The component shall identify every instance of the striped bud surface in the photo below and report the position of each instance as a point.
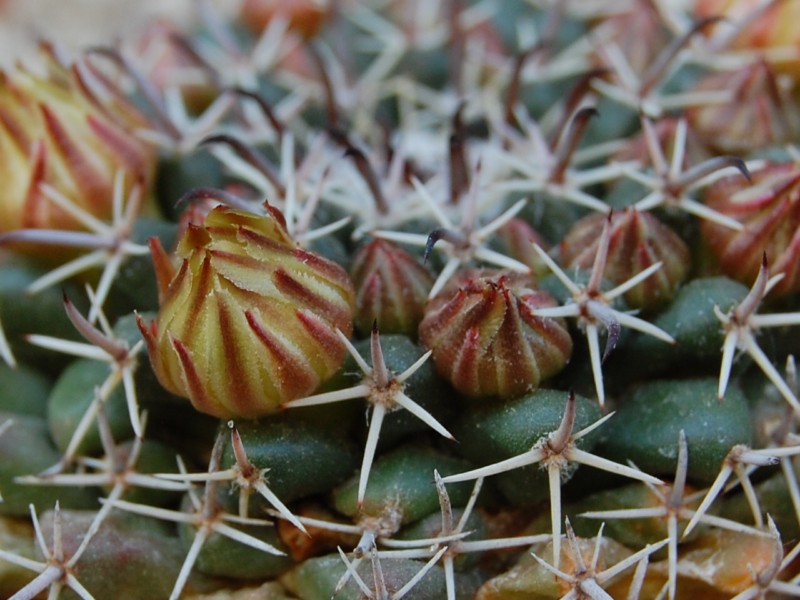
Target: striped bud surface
(769, 209)
(758, 115)
(486, 339)
(391, 288)
(52, 133)
(638, 240)
(249, 319)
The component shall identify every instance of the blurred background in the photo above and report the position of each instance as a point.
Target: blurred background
(78, 23)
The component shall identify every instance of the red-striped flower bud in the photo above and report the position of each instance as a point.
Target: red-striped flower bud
(51, 134)
(391, 288)
(759, 114)
(637, 241)
(769, 209)
(249, 320)
(486, 339)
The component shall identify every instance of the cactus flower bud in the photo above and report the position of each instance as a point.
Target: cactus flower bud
(759, 114)
(391, 288)
(486, 339)
(764, 26)
(768, 209)
(52, 134)
(516, 239)
(638, 240)
(249, 320)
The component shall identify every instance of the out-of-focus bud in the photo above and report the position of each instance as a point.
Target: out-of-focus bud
(636, 29)
(760, 113)
(769, 210)
(391, 288)
(638, 240)
(486, 339)
(52, 134)
(249, 320)
(516, 239)
(768, 28)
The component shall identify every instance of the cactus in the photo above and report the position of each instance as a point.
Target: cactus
(293, 303)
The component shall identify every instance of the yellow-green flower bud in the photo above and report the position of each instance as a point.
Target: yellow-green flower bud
(52, 133)
(249, 320)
